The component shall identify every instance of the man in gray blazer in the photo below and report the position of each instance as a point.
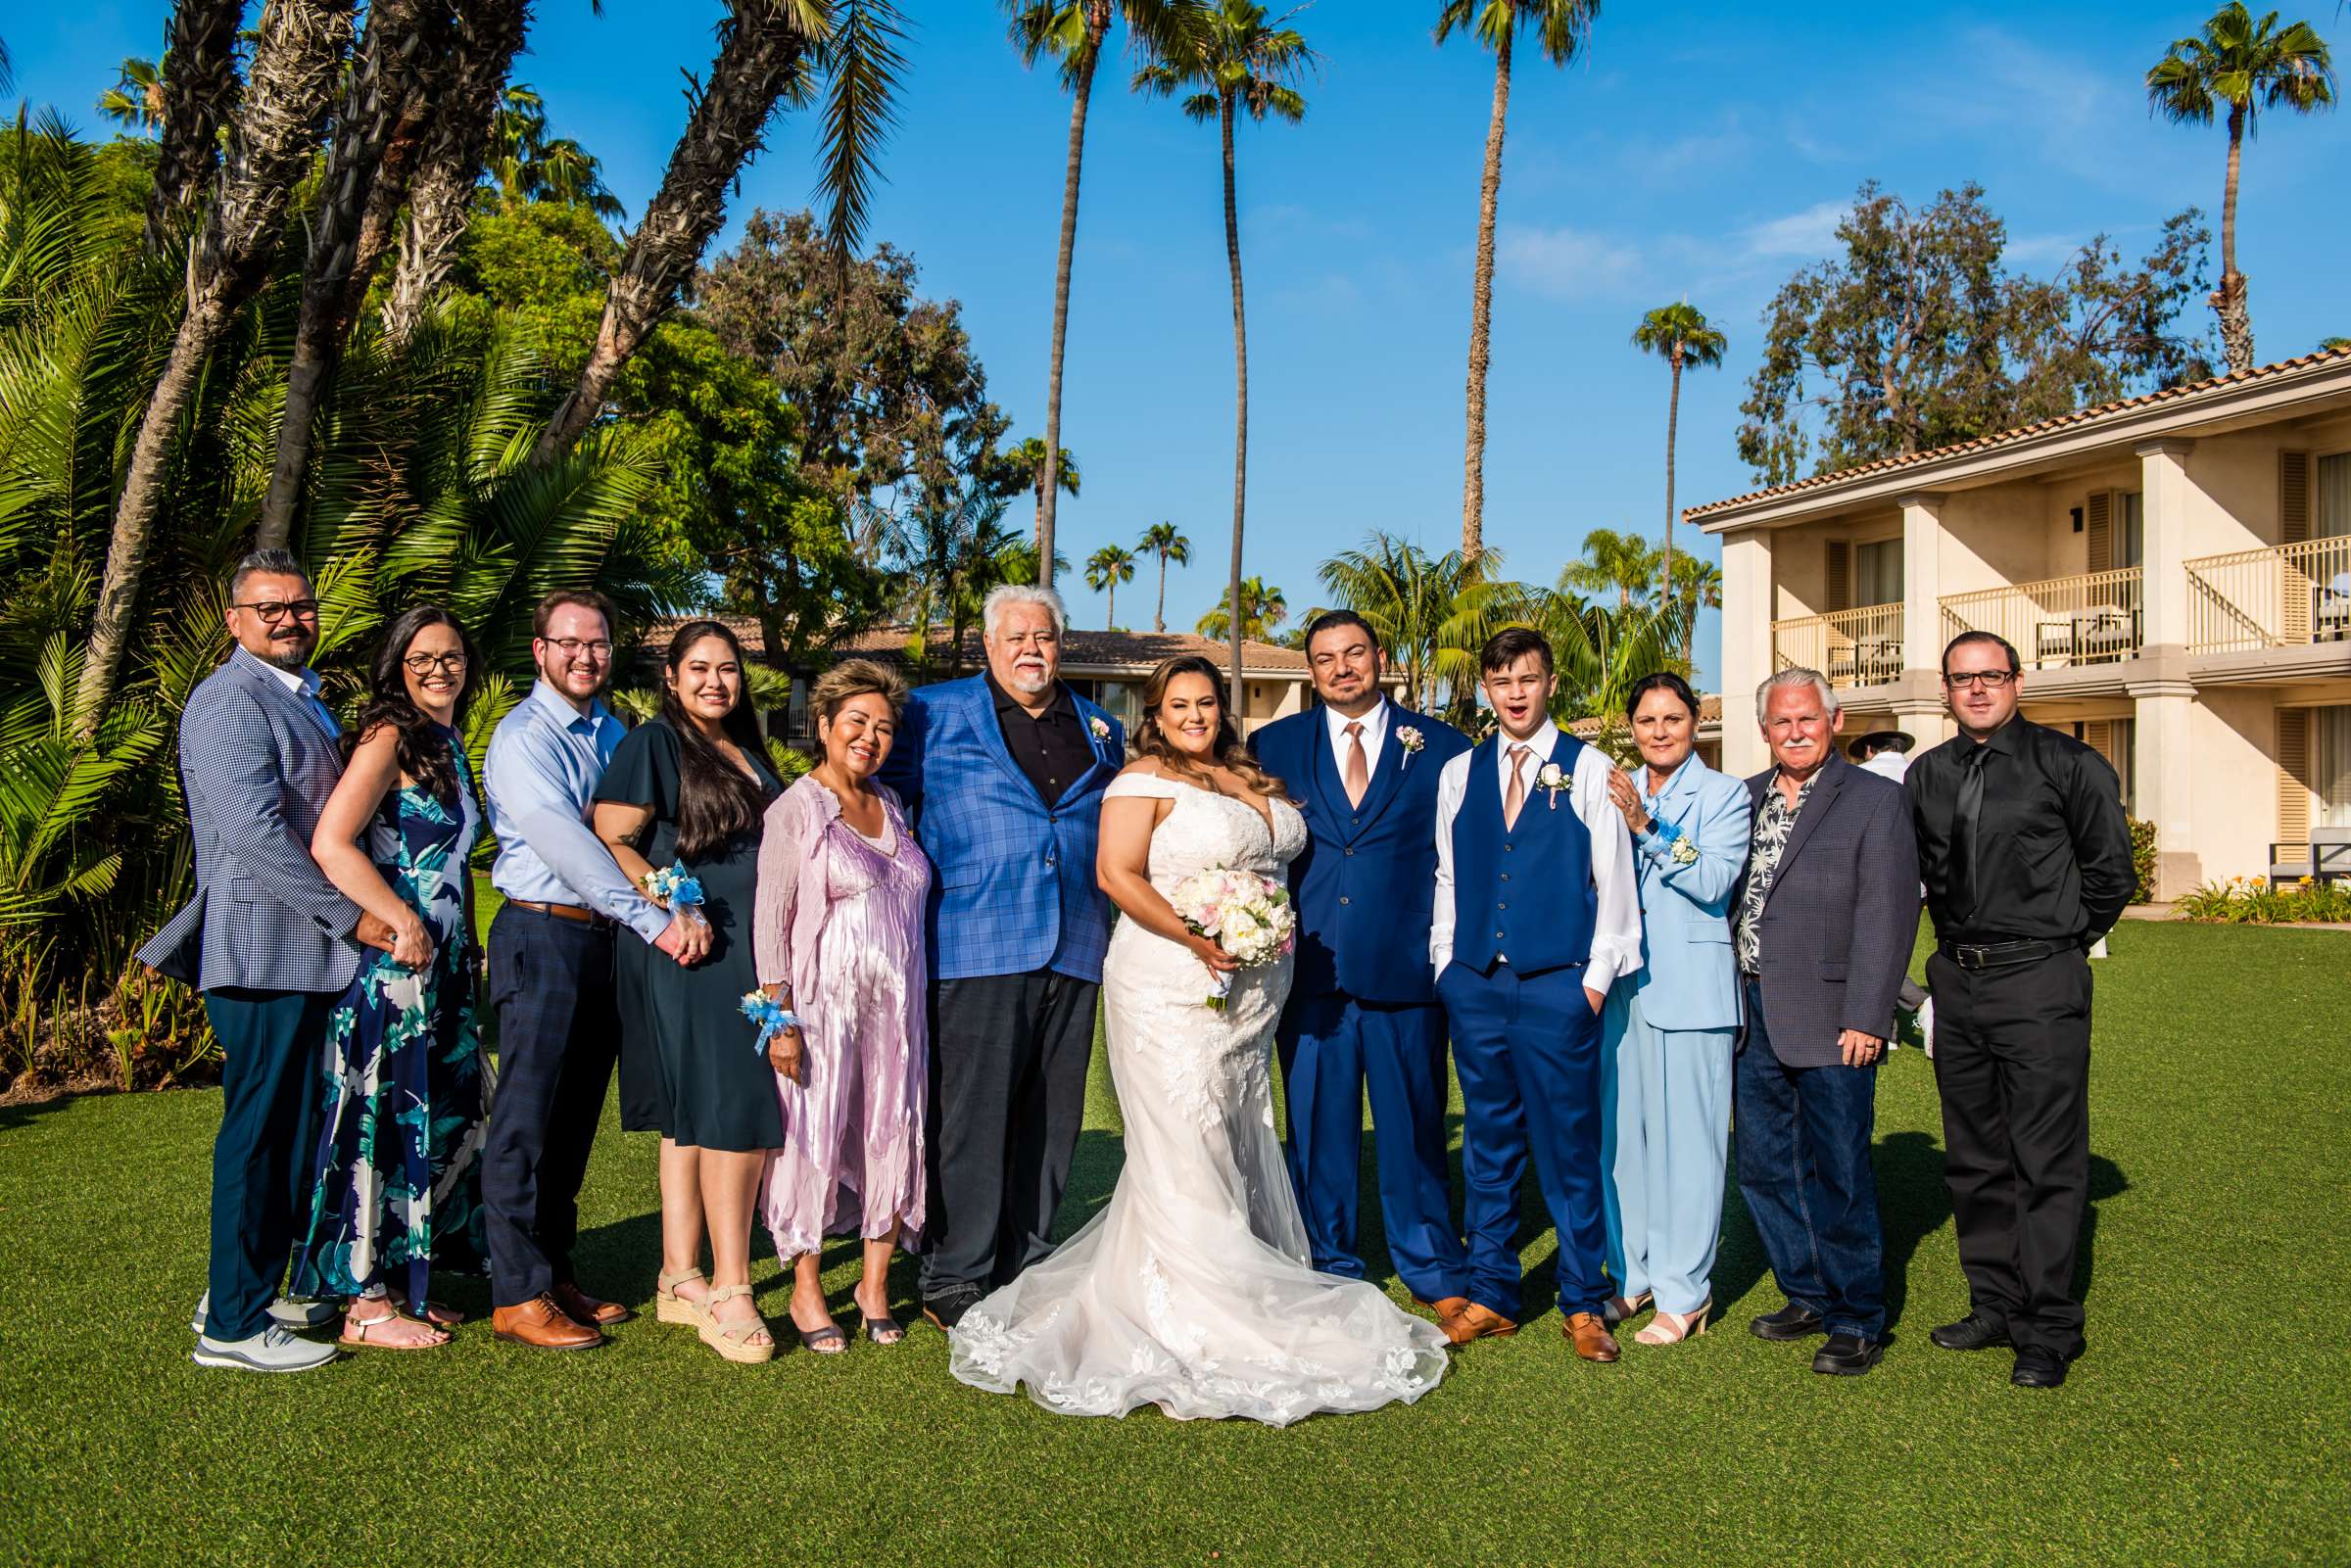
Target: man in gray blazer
(1823, 922)
(268, 941)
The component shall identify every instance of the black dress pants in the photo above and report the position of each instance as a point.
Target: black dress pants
(559, 1032)
(1008, 1061)
(2012, 1065)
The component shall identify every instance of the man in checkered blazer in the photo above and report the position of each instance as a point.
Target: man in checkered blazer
(1003, 774)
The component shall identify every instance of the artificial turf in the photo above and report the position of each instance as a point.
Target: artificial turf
(2205, 1425)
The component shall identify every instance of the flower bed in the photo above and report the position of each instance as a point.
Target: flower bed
(2252, 901)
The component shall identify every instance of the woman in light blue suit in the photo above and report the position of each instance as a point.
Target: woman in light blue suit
(1666, 1052)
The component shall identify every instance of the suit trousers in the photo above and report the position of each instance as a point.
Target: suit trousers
(1666, 1103)
(1526, 1048)
(272, 1045)
(1805, 1172)
(2012, 1065)
(1009, 1055)
(1332, 1049)
(558, 1033)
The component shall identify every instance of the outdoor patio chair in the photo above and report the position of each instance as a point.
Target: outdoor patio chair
(2325, 857)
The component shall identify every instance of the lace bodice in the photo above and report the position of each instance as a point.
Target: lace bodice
(1209, 828)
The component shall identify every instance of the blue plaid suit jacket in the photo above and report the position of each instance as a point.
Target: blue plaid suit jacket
(1015, 887)
(256, 763)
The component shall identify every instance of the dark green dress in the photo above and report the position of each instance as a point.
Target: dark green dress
(709, 1087)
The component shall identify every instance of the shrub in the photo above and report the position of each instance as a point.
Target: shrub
(2142, 860)
(2252, 901)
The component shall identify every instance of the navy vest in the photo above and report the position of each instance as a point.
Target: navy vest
(1526, 893)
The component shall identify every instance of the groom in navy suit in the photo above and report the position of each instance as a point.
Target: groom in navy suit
(1362, 1011)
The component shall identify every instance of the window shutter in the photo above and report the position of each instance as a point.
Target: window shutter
(2098, 518)
(2293, 775)
(2099, 735)
(2293, 496)
(1840, 593)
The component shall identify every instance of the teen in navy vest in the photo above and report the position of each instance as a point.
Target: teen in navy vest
(1363, 1010)
(1536, 916)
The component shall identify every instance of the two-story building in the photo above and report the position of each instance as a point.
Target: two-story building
(2173, 569)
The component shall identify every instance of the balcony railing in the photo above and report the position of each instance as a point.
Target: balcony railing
(1852, 647)
(2284, 596)
(2095, 618)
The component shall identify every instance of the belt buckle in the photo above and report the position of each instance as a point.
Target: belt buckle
(1972, 956)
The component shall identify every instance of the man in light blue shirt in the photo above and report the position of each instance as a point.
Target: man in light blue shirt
(550, 974)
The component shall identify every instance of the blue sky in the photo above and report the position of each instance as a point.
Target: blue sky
(1703, 150)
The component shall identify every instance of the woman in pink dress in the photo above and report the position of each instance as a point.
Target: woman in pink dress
(837, 937)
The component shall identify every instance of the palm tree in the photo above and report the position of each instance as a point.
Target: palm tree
(1165, 542)
(1598, 653)
(2248, 65)
(466, 81)
(1262, 611)
(200, 88)
(1433, 614)
(1028, 460)
(1105, 570)
(1681, 334)
(1072, 32)
(1236, 60)
(1561, 27)
(1696, 584)
(1623, 563)
(135, 101)
(527, 164)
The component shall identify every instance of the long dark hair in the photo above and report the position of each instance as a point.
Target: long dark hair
(1663, 681)
(1152, 741)
(425, 752)
(715, 800)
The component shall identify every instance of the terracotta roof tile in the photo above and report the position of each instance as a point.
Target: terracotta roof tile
(1080, 646)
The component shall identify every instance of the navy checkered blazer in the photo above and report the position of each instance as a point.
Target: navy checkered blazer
(256, 762)
(1015, 887)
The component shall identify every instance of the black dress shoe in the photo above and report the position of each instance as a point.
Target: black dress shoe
(947, 1310)
(1977, 1331)
(2037, 1368)
(1790, 1323)
(1848, 1355)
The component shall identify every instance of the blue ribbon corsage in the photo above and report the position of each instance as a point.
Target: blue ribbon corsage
(772, 1017)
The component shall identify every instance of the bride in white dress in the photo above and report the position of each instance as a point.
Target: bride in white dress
(1191, 1289)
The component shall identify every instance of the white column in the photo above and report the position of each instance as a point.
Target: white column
(2164, 502)
(1922, 581)
(1749, 594)
(2163, 751)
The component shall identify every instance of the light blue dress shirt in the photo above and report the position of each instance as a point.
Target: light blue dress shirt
(539, 782)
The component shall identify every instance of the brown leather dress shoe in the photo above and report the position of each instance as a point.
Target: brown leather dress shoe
(544, 1326)
(1475, 1322)
(1590, 1337)
(1447, 1308)
(582, 1308)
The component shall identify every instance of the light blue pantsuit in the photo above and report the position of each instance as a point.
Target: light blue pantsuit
(1667, 1043)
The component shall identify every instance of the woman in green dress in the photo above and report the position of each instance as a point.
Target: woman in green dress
(689, 789)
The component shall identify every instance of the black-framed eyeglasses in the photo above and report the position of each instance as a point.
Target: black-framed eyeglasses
(427, 663)
(574, 647)
(1989, 680)
(274, 610)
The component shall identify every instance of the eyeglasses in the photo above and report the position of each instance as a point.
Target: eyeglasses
(426, 663)
(1989, 680)
(574, 647)
(276, 610)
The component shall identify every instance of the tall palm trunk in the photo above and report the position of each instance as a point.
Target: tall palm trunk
(294, 70)
(486, 36)
(1159, 615)
(1081, 95)
(1673, 417)
(200, 86)
(762, 53)
(1240, 412)
(1110, 607)
(2236, 320)
(1481, 315)
(367, 165)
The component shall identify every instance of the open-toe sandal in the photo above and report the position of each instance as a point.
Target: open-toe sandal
(671, 1307)
(735, 1343)
(881, 1327)
(826, 1341)
(358, 1333)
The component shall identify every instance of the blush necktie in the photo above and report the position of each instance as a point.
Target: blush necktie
(1514, 798)
(1358, 766)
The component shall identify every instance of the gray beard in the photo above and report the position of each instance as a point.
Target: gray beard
(291, 662)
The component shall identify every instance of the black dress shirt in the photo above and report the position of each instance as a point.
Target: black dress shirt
(2052, 856)
(1052, 747)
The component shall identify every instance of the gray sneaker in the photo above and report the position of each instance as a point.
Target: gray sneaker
(283, 1311)
(272, 1349)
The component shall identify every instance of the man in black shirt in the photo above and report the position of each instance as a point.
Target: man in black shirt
(1043, 733)
(2026, 857)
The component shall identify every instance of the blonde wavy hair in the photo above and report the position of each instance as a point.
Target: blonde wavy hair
(1152, 741)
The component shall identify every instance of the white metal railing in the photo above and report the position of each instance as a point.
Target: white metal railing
(2094, 618)
(2284, 596)
(1852, 647)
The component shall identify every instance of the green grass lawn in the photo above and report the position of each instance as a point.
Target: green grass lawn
(2206, 1424)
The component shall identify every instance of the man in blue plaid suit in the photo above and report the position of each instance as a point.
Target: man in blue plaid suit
(268, 941)
(1003, 775)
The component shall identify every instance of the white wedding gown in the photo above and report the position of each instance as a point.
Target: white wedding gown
(1191, 1289)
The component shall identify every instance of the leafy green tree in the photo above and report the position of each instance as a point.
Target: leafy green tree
(1164, 540)
(1697, 584)
(1432, 613)
(1624, 565)
(1561, 29)
(1262, 611)
(527, 164)
(2247, 65)
(1105, 570)
(135, 101)
(1597, 652)
(1681, 335)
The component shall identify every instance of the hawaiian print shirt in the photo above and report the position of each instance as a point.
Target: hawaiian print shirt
(1773, 824)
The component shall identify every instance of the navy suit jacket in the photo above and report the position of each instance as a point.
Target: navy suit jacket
(1364, 884)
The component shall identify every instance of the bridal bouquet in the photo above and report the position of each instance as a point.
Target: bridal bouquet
(1247, 914)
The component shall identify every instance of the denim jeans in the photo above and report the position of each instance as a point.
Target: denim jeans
(1804, 1170)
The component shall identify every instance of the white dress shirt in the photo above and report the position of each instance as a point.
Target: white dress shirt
(306, 685)
(1889, 765)
(1376, 731)
(1616, 920)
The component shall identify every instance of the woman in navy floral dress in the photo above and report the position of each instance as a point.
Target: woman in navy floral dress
(398, 1194)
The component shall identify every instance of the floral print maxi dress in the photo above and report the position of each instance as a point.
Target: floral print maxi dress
(398, 1187)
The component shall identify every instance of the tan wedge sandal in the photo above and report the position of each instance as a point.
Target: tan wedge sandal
(671, 1307)
(733, 1343)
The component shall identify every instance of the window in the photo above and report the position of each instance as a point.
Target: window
(2332, 774)
(1878, 573)
(2132, 546)
(2122, 749)
(2333, 516)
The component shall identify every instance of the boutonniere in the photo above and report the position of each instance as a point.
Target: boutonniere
(1410, 739)
(1685, 853)
(1100, 729)
(1551, 781)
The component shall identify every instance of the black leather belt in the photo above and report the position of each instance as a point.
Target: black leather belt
(2000, 955)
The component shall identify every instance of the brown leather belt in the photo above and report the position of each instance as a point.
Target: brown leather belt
(570, 912)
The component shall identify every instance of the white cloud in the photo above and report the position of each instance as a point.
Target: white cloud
(1565, 264)
(1811, 232)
